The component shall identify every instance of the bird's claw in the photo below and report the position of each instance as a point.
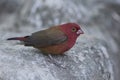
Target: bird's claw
(55, 62)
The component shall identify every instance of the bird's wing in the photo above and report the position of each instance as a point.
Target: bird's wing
(52, 36)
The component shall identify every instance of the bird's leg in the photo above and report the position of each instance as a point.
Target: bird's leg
(51, 58)
(55, 62)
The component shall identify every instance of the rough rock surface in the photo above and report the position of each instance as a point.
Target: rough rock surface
(94, 57)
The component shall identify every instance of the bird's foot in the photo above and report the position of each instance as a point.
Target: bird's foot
(55, 62)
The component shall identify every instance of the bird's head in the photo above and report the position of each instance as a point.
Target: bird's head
(72, 29)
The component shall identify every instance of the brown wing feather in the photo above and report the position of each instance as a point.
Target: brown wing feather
(51, 36)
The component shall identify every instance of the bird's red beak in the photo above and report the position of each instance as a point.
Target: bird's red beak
(80, 32)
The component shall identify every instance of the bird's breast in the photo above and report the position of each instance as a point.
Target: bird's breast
(56, 49)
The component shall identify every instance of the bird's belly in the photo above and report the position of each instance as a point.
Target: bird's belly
(55, 49)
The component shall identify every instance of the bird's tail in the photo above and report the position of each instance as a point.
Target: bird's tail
(19, 38)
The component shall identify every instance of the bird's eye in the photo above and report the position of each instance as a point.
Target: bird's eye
(74, 29)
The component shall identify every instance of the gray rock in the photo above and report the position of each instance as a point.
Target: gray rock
(87, 60)
(10, 6)
(94, 57)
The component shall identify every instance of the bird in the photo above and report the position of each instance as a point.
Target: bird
(54, 40)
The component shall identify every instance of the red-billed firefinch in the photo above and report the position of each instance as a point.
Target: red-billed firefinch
(54, 40)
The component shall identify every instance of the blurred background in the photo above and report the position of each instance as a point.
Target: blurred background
(99, 19)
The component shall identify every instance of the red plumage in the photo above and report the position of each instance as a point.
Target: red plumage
(18, 38)
(54, 40)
